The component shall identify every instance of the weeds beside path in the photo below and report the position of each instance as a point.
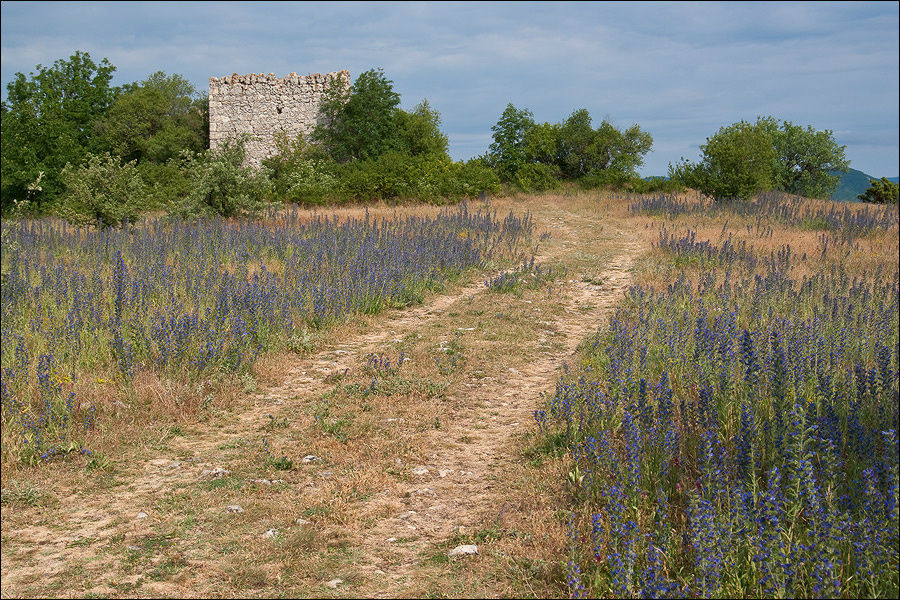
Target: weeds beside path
(365, 462)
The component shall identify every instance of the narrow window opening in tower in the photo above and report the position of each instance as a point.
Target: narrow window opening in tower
(278, 109)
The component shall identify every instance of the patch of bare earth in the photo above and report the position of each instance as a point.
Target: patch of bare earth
(337, 478)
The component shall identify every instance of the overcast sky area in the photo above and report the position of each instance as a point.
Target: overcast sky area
(680, 71)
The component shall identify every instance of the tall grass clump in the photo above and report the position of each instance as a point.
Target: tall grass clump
(735, 435)
(189, 298)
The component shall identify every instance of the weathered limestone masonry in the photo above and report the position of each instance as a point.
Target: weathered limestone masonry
(259, 105)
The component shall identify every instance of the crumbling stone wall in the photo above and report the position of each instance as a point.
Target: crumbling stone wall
(259, 105)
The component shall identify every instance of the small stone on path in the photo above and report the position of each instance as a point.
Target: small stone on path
(234, 508)
(270, 533)
(310, 458)
(142, 515)
(303, 522)
(464, 550)
(334, 583)
(215, 473)
(420, 471)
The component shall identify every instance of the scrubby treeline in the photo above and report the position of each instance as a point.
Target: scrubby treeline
(75, 145)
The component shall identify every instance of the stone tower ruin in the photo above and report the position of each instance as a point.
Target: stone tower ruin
(258, 106)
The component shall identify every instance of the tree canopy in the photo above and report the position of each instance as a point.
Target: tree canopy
(361, 122)
(48, 121)
(881, 191)
(155, 120)
(573, 149)
(744, 158)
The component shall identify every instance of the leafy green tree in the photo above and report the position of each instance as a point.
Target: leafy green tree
(361, 122)
(101, 192)
(737, 163)
(156, 119)
(583, 150)
(621, 152)
(734, 162)
(805, 159)
(541, 144)
(421, 131)
(881, 191)
(576, 145)
(48, 121)
(507, 151)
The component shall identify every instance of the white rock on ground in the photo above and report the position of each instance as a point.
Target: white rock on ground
(464, 550)
(334, 583)
(309, 458)
(215, 473)
(420, 471)
(234, 508)
(270, 533)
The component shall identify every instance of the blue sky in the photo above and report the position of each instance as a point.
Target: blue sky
(678, 70)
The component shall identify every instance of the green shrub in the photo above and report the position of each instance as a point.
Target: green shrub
(598, 179)
(102, 192)
(312, 182)
(536, 177)
(167, 183)
(290, 154)
(221, 185)
(470, 179)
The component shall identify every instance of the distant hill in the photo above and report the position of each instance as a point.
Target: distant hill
(853, 183)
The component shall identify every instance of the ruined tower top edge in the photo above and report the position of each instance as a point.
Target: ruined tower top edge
(251, 78)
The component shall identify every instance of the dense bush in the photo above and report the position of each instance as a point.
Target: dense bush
(102, 192)
(426, 177)
(536, 177)
(155, 120)
(362, 122)
(221, 185)
(313, 181)
(48, 122)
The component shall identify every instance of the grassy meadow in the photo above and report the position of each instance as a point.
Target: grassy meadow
(611, 396)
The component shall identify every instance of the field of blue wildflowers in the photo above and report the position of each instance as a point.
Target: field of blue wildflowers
(186, 299)
(733, 431)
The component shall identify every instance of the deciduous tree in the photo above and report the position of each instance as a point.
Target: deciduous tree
(48, 120)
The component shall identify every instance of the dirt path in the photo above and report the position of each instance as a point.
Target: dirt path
(461, 485)
(377, 516)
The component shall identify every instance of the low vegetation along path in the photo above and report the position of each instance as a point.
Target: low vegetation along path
(392, 466)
